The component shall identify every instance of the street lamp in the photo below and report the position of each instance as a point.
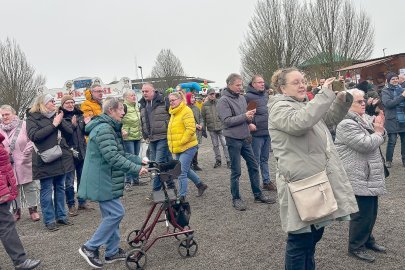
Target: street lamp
(384, 51)
(140, 67)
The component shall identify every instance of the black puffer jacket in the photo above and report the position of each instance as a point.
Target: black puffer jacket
(261, 118)
(44, 135)
(77, 140)
(155, 123)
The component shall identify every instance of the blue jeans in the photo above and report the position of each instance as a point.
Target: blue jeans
(261, 149)
(159, 152)
(236, 149)
(132, 147)
(53, 210)
(300, 250)
(185, 159)
(108, 232)
(392, 140)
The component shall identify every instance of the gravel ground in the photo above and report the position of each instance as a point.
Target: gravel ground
(227, 239)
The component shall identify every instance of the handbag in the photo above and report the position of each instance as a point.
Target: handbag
(313, 196)
(51, 154)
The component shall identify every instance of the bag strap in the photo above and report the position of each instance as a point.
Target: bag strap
(17, 131)
(58, 141)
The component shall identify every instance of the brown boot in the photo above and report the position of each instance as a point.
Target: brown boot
(270, 186)
(17, 214)
(73, 211)
(34, 213)
(201, 188)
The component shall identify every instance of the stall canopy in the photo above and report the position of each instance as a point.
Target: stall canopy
(365, 64)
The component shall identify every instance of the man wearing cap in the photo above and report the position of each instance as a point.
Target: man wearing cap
(393, 99)
(213, 124)
(91, 107)
(259, 128)
(77, 144)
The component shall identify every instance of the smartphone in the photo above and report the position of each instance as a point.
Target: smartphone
(338, 86)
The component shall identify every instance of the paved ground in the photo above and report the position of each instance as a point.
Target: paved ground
(227, 239)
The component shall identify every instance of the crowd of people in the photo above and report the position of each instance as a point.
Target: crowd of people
(308, 130)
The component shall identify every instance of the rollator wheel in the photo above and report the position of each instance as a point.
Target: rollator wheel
(187, 247)
(130, 239)
(136, 259)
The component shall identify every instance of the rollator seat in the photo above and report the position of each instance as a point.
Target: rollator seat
(159, 196)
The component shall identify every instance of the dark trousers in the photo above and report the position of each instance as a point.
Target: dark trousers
(195, 159)
(9, 236)
(300, 249)
(392, 141)
(362, 222)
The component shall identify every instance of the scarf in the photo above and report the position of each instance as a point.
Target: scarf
(49, 114)
(400, 109)
(12, 125)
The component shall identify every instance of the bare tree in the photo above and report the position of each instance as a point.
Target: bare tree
(18, 82)
(168, 68)
(275, 38)
(338, 34)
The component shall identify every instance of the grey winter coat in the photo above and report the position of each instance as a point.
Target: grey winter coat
(359, 149)
(155, 123)
(210, 116)
(231, 108)
(299, 136)
(261, 118)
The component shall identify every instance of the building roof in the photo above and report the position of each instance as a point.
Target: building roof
(176, 78)
(370, 62)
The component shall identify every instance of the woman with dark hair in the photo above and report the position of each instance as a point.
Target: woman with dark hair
(47, 129)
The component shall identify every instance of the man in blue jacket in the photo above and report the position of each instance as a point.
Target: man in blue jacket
(104, 170)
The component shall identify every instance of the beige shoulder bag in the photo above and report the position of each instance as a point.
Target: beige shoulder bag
(313, 196)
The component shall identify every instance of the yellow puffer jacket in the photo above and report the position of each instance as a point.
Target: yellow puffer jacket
(181, 130)
(90, 107)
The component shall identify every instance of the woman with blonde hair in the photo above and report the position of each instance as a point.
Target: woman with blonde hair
(303, 147)
(182, 141)
(19, 147)
(47, 129)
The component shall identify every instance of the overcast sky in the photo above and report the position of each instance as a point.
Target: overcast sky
(67, 39)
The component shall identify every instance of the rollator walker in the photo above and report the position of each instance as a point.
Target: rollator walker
(176, 216)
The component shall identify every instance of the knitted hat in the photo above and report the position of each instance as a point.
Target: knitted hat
(210, 91)
(391, 75)
(47, 98)
(65, 98)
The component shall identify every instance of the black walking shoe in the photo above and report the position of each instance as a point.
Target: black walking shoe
(264, 199)
(91, 257)
(52, 226)
(196, 167)
(64, 222)
(239, 205)
(121, 255)
(362, 255)
(377, 248)
(217, 164)
(28, 264)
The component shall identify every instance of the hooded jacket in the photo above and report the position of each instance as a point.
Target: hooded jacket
(359, 149)
(210, 116)
(299, 136)
(8, 184)
(90, 107)
(77, 140)
(181, 133)
(131, 122)
(391, 102)
(106, 162)
(261, 118)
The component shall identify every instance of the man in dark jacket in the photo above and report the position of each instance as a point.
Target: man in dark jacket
(155, 120)
(259, 128)
(232, 109)
(104, 171)
(77, 144)
(393, 99)
(214, 126)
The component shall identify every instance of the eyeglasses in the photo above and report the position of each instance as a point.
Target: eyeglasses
(172, 100)
(52, 100)
(69, 102)
(296, 83)
(98, 91)
(360, 102)
(259, 82)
